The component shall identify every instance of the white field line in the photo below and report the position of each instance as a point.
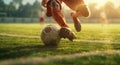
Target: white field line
(78, 40)
(14, 35)
(36, 60)
(98, 41)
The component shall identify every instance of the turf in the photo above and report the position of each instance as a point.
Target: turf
(16, 47)
(88, 60)
(110, 32)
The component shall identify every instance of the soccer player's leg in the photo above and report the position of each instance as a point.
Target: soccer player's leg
(82, 11)
(76, 21)
(48, 6)
(65, 32)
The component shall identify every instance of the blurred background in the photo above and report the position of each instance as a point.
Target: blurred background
(29, 11)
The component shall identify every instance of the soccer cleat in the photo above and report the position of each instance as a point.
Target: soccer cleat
(67, 33)
(77, 24)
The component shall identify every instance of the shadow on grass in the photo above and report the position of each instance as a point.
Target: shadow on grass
(14, 51)
(25, 51)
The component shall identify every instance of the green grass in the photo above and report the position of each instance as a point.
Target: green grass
(13, 47)
(88, 60)
(109, 32)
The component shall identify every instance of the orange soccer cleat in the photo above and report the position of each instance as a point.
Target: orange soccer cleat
(67, 33)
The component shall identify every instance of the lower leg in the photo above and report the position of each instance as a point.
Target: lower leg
(57, 15)
(48, 6)
(64, 32)
(76, 21)
(59, 18)
(81, 12)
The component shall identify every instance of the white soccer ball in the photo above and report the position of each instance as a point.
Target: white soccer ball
(50, 35)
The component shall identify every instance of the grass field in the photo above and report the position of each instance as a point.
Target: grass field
(96, 44)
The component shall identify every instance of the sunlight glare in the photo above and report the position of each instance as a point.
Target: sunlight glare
(98, 2)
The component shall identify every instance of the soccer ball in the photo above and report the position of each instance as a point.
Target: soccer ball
(50, 35)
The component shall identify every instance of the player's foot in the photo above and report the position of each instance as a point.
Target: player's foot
(77, 24)
(67, 33)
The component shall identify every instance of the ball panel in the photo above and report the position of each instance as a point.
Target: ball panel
(47, 29)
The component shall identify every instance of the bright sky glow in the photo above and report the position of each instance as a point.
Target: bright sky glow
(102, 2)
(99, 2)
